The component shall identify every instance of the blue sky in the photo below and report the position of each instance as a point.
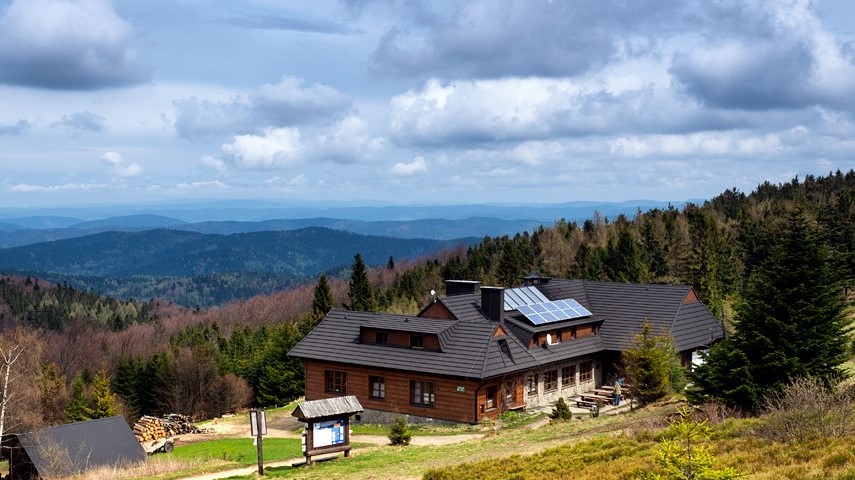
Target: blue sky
(528, 101)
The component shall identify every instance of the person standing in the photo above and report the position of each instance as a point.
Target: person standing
(617, 393)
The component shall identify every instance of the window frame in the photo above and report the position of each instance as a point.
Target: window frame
(531, 380)
(586, 374)
(376, 387)
(381, 337)
(417, 341)
(550, 380)
(568, 380)
(423, 393)
(335, 382)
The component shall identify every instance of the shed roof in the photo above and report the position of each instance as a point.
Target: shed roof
(77, 447)
(327, 407)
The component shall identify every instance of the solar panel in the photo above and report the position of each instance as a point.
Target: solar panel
(515, 297)
(548, 312)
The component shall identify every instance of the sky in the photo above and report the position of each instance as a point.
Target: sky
(405, 102)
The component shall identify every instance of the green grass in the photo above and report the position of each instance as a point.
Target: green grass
(240, 451)
(417, 430)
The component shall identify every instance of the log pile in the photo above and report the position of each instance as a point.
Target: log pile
(151, 428)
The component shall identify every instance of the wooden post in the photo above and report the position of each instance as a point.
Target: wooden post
(259, 428)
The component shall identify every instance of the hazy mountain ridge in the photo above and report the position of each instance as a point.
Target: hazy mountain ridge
(441, 222)
(164, 252)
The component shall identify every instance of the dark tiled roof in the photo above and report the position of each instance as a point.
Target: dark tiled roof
(469, 348)
(408, 324)
(82, 445)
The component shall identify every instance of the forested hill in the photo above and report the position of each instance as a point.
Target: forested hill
(184, 254)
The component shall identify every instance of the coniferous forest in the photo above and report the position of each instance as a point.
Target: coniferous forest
(774, 264)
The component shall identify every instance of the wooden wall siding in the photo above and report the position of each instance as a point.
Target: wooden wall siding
(451, 404)
(564, 334)
(437, 310)
(690, 297)
(585, 331)
(400, 339)
(510, 395)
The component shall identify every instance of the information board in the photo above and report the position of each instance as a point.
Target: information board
(328, 433)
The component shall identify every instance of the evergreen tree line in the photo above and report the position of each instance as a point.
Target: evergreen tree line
(55, 307)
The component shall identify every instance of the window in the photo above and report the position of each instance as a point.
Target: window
(491, 397)
(423, 393)
(568, 376)
(378, 387)
(335, 381)
(381, 338)
(417, 341)
(586, 372)
(531, 384)
(550, 380)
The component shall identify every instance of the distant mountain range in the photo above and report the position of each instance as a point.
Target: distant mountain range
(209, 253)
(194, 268)
(162, 252)
(20, 227)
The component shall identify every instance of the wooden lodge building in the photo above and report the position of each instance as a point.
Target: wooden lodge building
(480, 351)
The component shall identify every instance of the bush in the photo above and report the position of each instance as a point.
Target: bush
(561, 411)
(806, 409)
(400, 433)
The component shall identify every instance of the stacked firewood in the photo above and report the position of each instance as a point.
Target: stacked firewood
(152, 428)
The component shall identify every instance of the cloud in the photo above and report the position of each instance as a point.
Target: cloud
(82, 121)
(498, 38)
(287, 103)
(276, 148)
(201, 185)
(67, 45)
(774, 55)
(347, 141)
(401, 169)
(16, 128)
(66, 187)
(118, 166)
(213, 163)
(303, 25)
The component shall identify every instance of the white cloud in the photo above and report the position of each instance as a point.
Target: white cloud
(285, 104)
(213, 163)
(67, 45)
(118, 167)
(276, 148)
(202, 185)
(418, 165)
(66, 187)
(347, 141)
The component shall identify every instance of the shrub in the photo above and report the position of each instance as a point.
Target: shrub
(561, 411)
(805, 410)
(400, 433)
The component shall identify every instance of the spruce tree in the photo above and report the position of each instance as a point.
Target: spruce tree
(790, 323)
(78, 409)
(322, 302)
(360, 293)
(648, 364)
(103, 400)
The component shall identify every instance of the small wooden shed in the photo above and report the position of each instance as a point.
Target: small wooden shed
(327, 428)
(72, 449)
